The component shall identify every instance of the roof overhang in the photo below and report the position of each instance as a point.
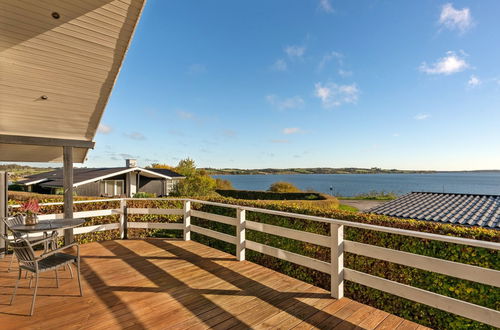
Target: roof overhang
(59, 61)
(143, 172)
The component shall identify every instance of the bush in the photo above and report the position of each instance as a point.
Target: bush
(194, 186)
(142, 194)
(223, 184)
(283, 187)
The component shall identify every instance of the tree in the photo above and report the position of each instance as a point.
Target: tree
(163, 166)
(196, 183)
(283, 187)
(186, 167)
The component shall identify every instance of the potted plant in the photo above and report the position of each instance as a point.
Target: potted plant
(31, 209)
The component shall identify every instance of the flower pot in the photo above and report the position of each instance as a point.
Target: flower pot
(31, 219)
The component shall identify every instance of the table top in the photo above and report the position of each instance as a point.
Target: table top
(49, 225)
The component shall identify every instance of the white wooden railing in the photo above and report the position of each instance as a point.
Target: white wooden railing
(335, 242)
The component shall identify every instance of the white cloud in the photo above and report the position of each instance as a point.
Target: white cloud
(104, 129)
(135, 136)
(422, 116)
(395, 134)
(280, 141)
(292, 130)
(334, 95)
(473, 81)
(451, 63)
(326, 6)
(285, 104)
(279, 65)
(295, 51)
(455, 19)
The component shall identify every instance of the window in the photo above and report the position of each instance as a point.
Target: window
(112, 187)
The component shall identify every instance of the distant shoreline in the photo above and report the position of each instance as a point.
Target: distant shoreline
(309, 171)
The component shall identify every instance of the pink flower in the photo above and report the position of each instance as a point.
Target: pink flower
(31, 206)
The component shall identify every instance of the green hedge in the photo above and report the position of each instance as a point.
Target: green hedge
(472, 292)
(269, 195)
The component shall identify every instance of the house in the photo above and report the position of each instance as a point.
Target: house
(112, 181)
(459, 209)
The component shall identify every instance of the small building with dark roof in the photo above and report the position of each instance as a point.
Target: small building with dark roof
(106, 181)
(458, 209)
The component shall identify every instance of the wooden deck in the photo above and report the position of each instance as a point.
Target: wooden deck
(165, 284)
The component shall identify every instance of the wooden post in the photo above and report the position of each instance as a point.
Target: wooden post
(4, 186)
(337, 261)
(123, 219)
(240, 234)
(68, 191)
(187, 220)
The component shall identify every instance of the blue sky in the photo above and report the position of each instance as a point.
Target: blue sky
(254, 84)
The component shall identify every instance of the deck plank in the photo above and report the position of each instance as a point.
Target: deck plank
(158, 284)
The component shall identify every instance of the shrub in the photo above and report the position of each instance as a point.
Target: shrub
(194, 186)
(143, 194)
(223, 184)
(283, 187)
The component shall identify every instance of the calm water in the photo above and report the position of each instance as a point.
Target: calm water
(354, 184)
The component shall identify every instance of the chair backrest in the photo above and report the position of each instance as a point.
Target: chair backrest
(23, 250)
(12, 221)
(15, 220)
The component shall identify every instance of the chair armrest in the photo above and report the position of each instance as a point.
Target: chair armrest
(40, 241)
(47, 254)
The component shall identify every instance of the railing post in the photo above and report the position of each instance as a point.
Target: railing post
(4, 183)
(240, 234)
(337, 260)
(123, 219)
(187, 220)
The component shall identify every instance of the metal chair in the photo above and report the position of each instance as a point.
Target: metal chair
(19, 220)
(51, 260)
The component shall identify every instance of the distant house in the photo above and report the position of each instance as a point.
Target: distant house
(459, 209)
(113, 181)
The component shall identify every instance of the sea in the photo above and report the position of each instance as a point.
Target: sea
(356, 184)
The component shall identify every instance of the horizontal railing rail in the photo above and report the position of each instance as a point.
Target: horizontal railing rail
(335, 242)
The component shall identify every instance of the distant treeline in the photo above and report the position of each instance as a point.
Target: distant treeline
(313, 170)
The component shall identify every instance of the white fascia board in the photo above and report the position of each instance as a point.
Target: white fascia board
(132, 169)
(34, 182)
(105, 176)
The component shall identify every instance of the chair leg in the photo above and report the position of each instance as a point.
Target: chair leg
(34, 295)
(70, 270)
(57, 278)
(15, 288)
(78, 275)
(11, 261)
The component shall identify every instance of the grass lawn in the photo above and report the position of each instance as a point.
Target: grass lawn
(349, 208)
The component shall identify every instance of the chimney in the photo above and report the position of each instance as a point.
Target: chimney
(131, 162)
